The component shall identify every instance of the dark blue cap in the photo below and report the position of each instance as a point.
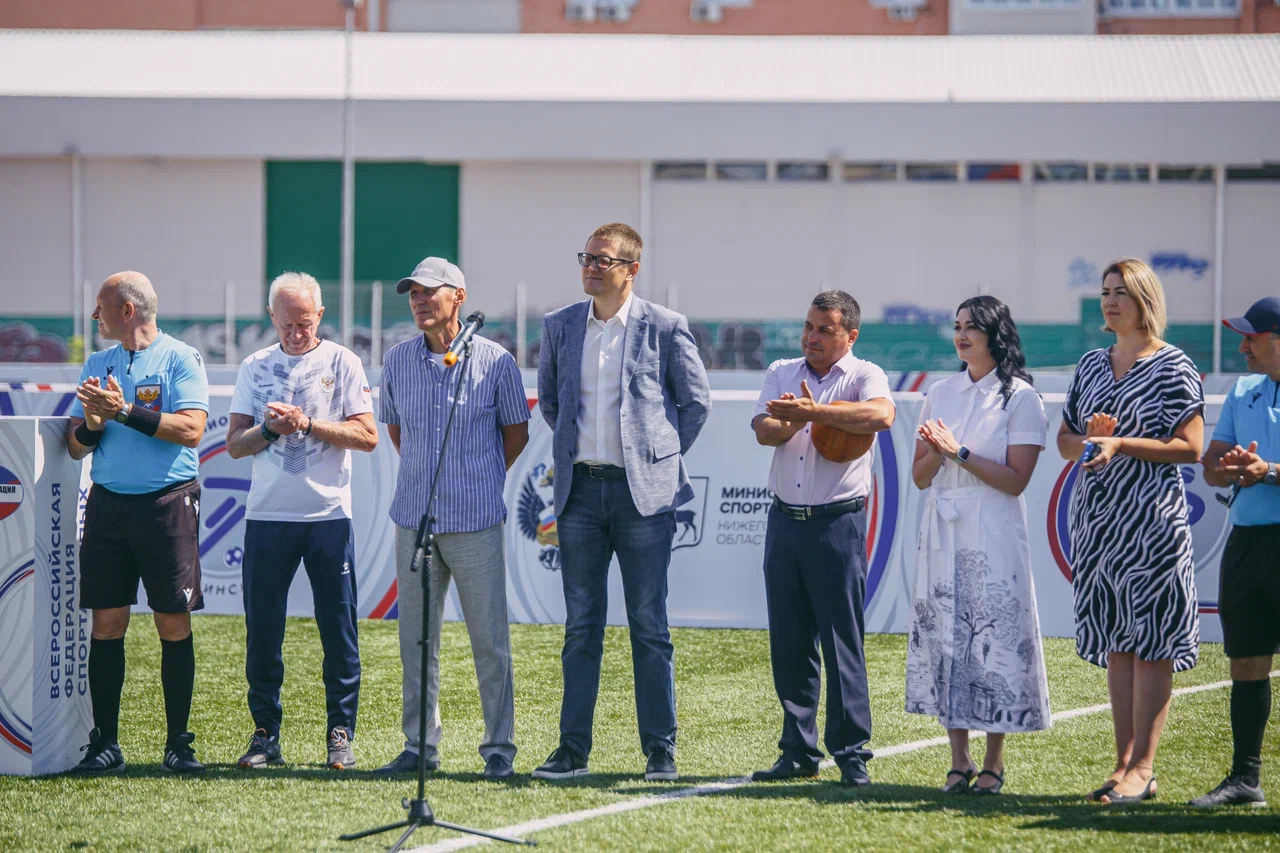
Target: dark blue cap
(1262, 317)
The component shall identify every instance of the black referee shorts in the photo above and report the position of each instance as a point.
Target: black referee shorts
(1249, 592)
(154, 537)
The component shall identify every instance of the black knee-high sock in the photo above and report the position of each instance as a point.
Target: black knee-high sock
(1250, 707)
(177, 677)
(106, 680)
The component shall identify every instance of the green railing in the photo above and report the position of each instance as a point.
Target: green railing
(724, 343)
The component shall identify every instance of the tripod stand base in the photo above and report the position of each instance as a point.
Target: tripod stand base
(420, 815)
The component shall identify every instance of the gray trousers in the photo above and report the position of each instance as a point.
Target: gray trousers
(475, 562)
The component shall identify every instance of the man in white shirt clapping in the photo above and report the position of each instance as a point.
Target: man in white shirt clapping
(300, 407)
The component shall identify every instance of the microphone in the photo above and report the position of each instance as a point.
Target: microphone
(474, 322)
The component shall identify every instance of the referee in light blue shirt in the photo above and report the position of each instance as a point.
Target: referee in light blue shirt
(490, 429)
(1245, 454)
(140, 410)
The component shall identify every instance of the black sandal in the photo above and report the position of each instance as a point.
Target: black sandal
(961, 785)
(994, 789)
(1097, 795)
(1114, 799)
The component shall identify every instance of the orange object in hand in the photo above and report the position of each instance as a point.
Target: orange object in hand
(838, 445)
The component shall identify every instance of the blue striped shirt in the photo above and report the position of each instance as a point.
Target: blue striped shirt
(416, 393)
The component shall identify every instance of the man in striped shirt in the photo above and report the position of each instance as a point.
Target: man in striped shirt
(490, 429)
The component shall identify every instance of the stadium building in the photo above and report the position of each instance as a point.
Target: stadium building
(911, 172)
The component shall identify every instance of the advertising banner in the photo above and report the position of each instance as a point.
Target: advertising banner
(717, 556)
(45, 714)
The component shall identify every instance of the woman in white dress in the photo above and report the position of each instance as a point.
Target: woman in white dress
(974, 657)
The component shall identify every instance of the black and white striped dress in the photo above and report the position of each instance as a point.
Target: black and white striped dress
(1131, 553)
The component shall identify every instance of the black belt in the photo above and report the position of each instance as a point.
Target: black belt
(600, 472)
(158, 493)
(804, 513)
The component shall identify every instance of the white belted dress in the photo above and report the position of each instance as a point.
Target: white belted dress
(974, 655)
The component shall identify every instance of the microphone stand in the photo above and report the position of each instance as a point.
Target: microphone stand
(419, 809)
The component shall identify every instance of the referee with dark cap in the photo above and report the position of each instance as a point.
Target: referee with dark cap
(1245, 455)
(140, 410)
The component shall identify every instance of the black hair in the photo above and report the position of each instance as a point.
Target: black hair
(992, 318)
(838, 300)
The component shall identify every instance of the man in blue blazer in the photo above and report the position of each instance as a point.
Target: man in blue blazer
(622, 386)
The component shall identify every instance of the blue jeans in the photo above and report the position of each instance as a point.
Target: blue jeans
(272, 551)
(598, 521)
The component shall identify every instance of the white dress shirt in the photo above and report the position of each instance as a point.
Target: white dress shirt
(600, 395)
(799, 475)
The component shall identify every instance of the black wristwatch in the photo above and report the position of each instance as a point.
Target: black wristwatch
(270, 436)
(962, 455)
(1273, 475)
(123, 415)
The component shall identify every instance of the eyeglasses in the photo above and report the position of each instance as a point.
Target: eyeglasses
(601, 262)
(1228, 499)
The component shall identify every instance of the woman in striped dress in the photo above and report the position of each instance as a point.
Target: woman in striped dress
(1140, 402)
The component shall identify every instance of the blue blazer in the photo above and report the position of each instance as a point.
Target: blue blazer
(665, 400)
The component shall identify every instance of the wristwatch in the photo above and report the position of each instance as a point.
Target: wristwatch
(123, 415)
(962, 455)
(1273, 475)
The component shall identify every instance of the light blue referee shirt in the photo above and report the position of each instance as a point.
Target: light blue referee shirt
(1251, 412)
(168, 376)
(416, 393)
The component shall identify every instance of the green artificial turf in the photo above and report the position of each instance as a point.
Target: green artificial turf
(729, 723)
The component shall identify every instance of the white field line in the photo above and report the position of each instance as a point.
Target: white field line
(554, 821)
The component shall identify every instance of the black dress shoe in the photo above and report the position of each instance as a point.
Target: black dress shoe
(854, 775)
(785, 769)
(661, 766)
(406, 762)
(498, 767)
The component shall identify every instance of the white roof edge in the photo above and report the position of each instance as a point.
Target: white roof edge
(527, 68)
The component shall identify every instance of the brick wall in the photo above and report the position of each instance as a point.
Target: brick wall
(173, 14)
(764, 17)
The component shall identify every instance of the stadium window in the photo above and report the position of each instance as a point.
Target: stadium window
(742, 171)
(692, 170)
(1265, 172)
(1064, 172)
(1185, 174)
(1121, 173)
(875, 171)
(1170, 8)
(994, 172)
(804, 171)
(932, 172)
